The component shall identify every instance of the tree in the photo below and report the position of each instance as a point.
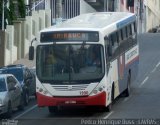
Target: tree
(10, 13)
(21, 8)
(0, 14)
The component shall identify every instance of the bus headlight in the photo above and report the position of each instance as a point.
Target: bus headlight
(97, 90)
(43, 91)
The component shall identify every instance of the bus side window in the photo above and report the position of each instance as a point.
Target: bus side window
(127, 35)
(134, 28)
(124, 33)
(129, 29)
(121, 33)
(113, 39)
(134, 32)
(108, 48)
(119, 36)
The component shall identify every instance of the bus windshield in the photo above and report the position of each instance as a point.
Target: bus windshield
(70, 64)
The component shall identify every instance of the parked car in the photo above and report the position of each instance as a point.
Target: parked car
(33, 70)
(25, 77)
(10, 94)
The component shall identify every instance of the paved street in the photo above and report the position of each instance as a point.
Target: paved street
(144, 101)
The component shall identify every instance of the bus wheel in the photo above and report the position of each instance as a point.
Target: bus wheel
(109, 107)
(53, 109)
(128, 90)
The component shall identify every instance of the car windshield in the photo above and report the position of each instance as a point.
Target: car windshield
(69, 64)
(2, 84)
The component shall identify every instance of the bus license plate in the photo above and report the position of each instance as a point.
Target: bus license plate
(70, 102)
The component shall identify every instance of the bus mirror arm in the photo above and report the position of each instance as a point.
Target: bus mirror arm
(34, 39)
(31, 50)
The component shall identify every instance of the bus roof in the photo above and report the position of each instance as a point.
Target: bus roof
(94, 21)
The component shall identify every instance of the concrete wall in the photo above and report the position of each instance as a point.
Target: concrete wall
(2, 47)
(148, 13)
(141, 22)
(10, 48)
(85, 7)
(15, 41)
(152, 13)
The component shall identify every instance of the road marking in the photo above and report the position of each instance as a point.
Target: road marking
(30, 109)
(158, 65)
(144, 81)
(108, 115)
(154, 70)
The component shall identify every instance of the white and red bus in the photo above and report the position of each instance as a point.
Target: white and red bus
(66, 76)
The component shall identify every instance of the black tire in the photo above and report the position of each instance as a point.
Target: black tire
(109, 107)
(35, 96)
(26, 98)
(128, 90)
(21, 106)
(53, 109)
(9, 110)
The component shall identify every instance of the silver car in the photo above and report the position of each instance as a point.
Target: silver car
(10, 94)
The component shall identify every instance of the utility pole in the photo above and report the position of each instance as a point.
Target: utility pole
(2, 14)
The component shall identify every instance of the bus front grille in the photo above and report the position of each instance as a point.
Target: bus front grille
(70, 87)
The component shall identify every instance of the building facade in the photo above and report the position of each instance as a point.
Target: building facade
(152, 8)
(147, 11)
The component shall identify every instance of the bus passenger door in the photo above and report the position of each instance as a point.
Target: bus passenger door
(112, 64)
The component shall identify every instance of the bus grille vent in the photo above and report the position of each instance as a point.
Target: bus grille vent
(70, 87)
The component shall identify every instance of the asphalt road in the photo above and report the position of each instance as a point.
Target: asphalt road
(144, 102)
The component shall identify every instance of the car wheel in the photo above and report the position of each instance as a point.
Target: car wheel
(9, 110)
(109, 107)
(53, 109)
(26, 98)
(21, 106)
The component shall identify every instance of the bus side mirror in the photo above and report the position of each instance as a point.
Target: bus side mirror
(31, 53)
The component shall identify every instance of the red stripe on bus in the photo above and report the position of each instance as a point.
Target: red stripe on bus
(97, 100)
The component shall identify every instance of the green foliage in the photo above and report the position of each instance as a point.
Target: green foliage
(10, 13)
(21, 8)
(0, 8)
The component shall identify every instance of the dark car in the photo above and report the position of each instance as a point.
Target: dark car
(24, 76)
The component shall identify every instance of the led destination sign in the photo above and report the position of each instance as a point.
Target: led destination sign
(90, 36)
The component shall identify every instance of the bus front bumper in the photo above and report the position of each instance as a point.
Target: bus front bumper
(96, 100)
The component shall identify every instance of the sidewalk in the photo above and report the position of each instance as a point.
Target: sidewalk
(26, 61)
